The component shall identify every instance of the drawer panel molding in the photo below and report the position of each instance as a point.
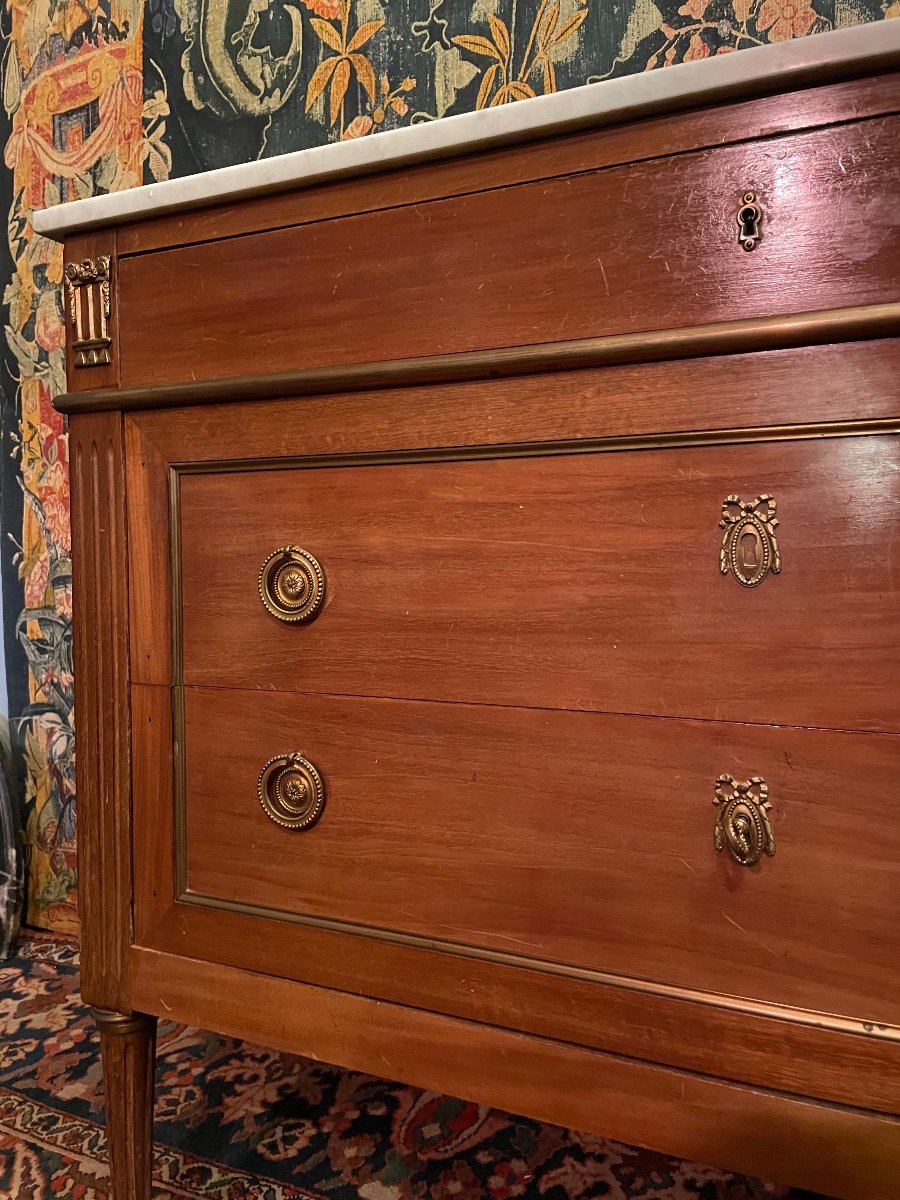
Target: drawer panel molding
(853, 1063)
(791, 1014)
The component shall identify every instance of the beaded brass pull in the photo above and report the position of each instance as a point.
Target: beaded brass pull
(742, 822)
(291, 791)
(749, 218)
(291, 584)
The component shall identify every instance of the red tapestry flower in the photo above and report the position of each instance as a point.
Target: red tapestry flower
(785, 20)
(329, 9)
(697, 49)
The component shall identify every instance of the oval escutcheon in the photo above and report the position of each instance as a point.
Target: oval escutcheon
(749, 549)
(750, 553)
(742, 822)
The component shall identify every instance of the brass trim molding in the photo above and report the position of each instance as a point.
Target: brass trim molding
(108, 1021)
(724, 337)
(179, 794)
(183, 893)
(630, 983)
(561, 446)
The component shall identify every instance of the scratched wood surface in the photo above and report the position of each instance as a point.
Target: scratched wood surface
(644, 246)
(654, 137)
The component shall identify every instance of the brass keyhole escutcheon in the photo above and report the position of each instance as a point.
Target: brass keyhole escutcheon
(749, 218)
(292, 584)
(742, 822)
(291, 791)
(749, 546)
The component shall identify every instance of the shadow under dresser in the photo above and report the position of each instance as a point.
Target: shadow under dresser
(452, 703)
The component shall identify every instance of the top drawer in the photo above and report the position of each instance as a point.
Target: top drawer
(650, 245)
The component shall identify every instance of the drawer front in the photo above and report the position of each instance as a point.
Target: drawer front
(588, 581)
(561, 838)
(650, 245)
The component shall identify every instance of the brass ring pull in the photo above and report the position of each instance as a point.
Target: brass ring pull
(749, 218)
(291, 791)
(291, 584)
(742, 822)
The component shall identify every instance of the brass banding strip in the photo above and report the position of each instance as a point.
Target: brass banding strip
(559, 446)
(724, 337)
(754, 1008)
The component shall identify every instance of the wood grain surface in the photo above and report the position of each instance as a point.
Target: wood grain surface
(566, 837)
(853, 1154)
(128, 1047)
(573, 581)
(529, 671)
(816, 384)
(644, 246)
(848, 1061)
(100, 604)
(653, 137)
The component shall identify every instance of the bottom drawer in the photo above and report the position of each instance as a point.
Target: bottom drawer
(575, 840)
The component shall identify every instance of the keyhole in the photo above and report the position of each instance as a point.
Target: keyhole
(749, 552)
(748, 218)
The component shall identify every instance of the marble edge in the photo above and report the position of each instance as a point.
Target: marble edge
(667, 89)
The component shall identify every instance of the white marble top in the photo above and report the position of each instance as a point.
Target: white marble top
(746, 72)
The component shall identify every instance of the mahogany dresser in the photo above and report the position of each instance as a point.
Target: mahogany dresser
(487, 628)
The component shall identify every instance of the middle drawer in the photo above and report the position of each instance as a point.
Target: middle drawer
(589, 581)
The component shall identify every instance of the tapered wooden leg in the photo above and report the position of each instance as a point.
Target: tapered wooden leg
(129, 1046)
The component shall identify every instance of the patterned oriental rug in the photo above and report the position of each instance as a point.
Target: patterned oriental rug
(237, 1122)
